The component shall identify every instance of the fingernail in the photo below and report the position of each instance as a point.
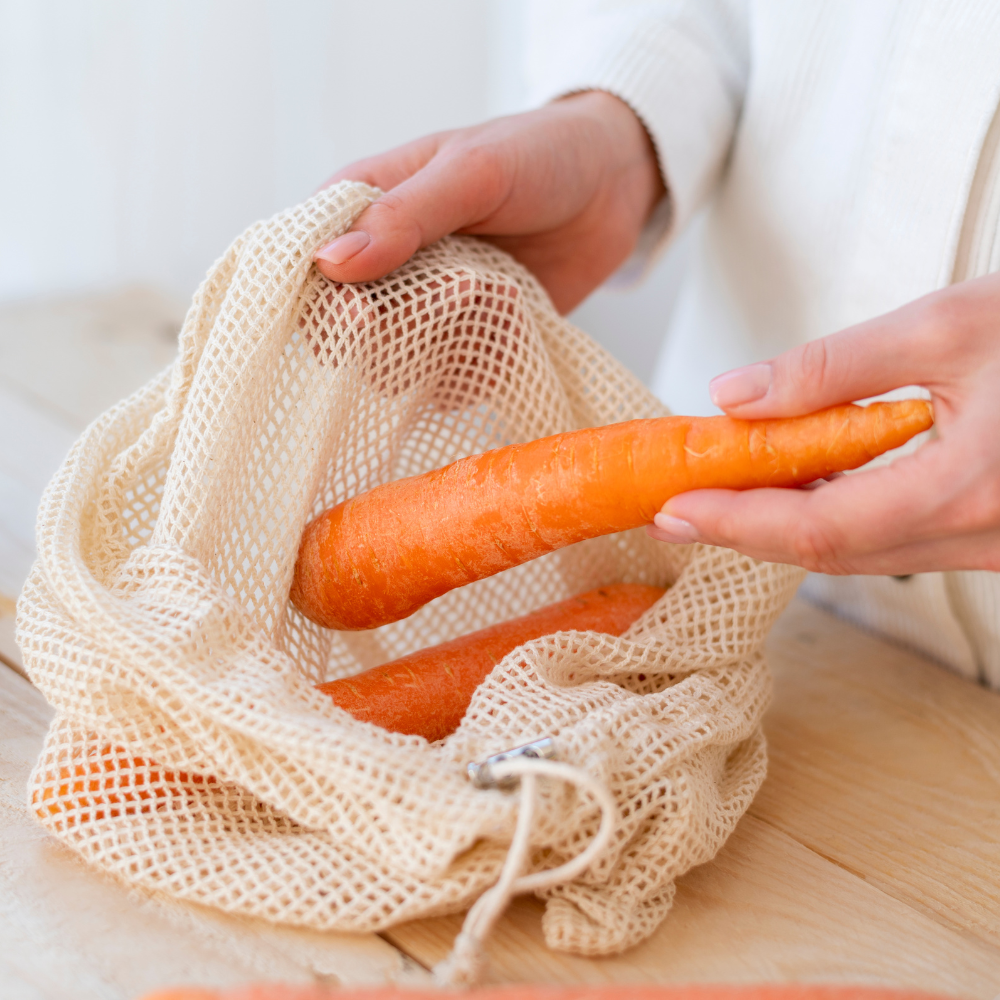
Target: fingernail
(344, 247)
(679, 531)
(742, 385)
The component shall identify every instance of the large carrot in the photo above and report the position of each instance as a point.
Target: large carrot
(383, 554)
(532, 991)
(427, 692)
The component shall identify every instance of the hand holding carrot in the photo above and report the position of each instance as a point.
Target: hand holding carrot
(938, 509)
(379, 556)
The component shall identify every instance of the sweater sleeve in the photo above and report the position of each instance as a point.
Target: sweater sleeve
(681, 65)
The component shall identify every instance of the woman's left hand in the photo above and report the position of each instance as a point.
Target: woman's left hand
(936, 509)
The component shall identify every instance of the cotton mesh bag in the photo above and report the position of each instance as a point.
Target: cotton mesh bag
(190, 752)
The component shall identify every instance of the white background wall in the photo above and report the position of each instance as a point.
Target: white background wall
(137, 138)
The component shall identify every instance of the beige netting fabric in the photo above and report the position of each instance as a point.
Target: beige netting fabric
(190, 752)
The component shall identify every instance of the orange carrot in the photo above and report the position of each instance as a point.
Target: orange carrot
(427, 692)
(98, 785)
(532, 991)
(383, 554)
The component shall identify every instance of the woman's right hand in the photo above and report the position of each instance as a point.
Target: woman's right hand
(565, 189)
(937, 509)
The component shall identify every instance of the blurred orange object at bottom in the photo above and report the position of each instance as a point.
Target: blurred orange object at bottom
(622, 991)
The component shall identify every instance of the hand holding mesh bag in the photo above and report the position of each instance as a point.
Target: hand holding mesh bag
(156, 618)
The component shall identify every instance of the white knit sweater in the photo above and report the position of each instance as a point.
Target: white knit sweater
(843, 157)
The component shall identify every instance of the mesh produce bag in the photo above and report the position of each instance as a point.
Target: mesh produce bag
(190, 752)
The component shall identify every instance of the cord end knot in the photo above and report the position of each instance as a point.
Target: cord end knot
(465, 966)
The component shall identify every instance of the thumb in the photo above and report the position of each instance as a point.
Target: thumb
(865, 360)
(453, 191)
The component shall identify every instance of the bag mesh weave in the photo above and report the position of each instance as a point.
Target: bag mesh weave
(190, 752)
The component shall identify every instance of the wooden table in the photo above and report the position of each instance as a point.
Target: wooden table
(872, 854)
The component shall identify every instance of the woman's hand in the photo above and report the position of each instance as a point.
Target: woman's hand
(565, 189)
(937, 509)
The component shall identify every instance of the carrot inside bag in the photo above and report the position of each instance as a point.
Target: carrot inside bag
(382, 555)
(108, 782)
(427, 692)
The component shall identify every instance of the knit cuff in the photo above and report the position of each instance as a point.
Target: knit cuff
(676, 89)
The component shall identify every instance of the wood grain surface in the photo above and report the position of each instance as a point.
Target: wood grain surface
(889, 766)
(765, 910)
(62, 363)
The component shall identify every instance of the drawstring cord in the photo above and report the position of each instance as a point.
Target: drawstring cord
(467, 961)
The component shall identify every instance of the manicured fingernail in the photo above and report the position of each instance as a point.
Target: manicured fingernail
(678, 530)
(344, 247)
(742, 385)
